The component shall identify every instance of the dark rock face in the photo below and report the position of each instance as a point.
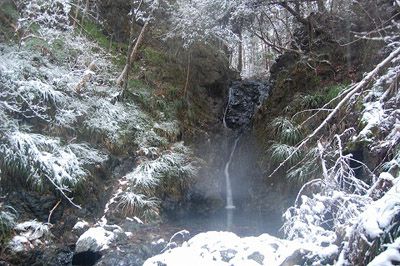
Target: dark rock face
(244, 98)
(86, 258)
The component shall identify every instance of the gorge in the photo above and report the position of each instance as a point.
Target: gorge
(202, 132)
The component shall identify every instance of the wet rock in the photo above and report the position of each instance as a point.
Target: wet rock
(124, 257)
(88, 258)
(297, 257)
(228, 254)
(257, 257)
(244, 98)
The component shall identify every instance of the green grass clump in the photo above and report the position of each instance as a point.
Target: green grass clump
(8, 20)
(9, 10)
(95, 32)
(333, 91)
(153, 56)
(286, 131)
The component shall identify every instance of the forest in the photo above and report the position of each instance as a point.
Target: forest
(200, 132)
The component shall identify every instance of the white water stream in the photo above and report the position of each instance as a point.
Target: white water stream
(226, 108)
(229, 197)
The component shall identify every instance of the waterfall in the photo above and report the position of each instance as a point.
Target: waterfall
(244, 97)
(229, 197)
(227, 106)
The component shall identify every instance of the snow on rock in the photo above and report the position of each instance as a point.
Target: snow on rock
(391, 254)
(95, 239)
(32, 230)
(80, 225)
(19, 244)
(28, 235)
(226, 248)
(380, 214)
(372, 116)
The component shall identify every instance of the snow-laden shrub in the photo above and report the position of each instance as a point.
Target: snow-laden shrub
(302, 164)
(326, 207)
(172, 164)
(389, 256)
(42, 161)
(168, 129)
(286, 130)
(8, 217)
(117, 123)
(52, 14)
(28, 97)
(139, 205)
(322, 218)
(140, 191)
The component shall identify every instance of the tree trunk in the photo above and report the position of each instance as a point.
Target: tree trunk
(187, 77)
(84, 14)
(297, 15)
(132, 55)
(240, 52)
(76, 13)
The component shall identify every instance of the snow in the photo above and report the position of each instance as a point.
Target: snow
(379, 215)
(372, 116)
(32, 230)
(80, 225)
(226, 248)
(28, 236)
(19, 244)
(392, 253)
(45, 157)
(95, 239)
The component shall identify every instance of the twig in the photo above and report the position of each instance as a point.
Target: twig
(309, 183)
(312, 110)
(80, 25)
(52, 210)
(86, 77)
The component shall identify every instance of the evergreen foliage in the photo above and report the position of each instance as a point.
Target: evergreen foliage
(8, 217)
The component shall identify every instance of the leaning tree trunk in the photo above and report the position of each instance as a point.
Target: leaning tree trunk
(132, 55)
(240, 52)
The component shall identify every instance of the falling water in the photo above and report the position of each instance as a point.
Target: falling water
(227, 106)
(229, 198)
